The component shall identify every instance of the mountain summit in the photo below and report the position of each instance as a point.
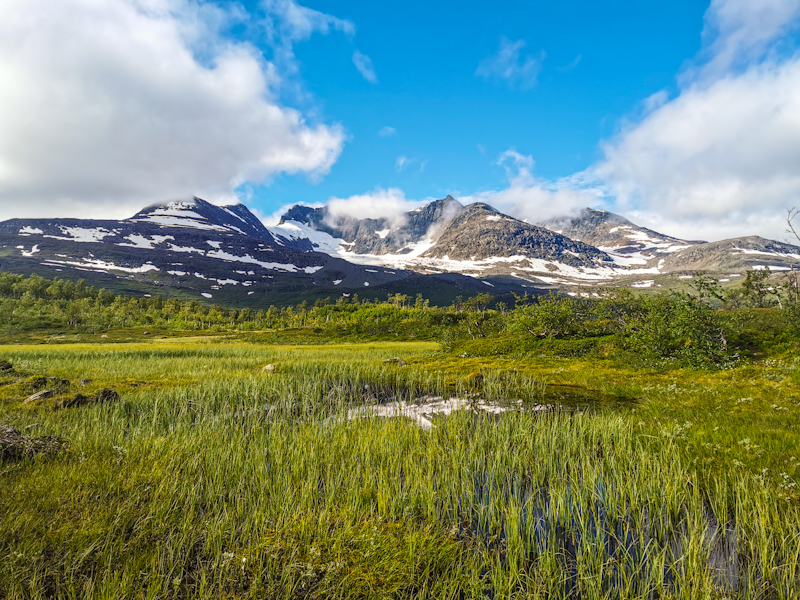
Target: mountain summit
(225, 253)
(193, 248)
(479, 232)
(199, 214)
(398, 235)
(610, 231)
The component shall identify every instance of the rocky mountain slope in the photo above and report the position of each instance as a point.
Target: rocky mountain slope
(479, 232)
(742, 254)
(445, 237)
(195, 249)
(610, 231)
(653, 253)
(400, 235)
(628, 244)
(191, 248)
(594, 247)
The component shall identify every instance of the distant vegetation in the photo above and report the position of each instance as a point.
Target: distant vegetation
(704, 327)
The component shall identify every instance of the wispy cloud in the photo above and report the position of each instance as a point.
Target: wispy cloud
(364, 65)
(386, 131)
(285, 22)
(510, 65)
(288, 21)
(401, 163)
(571, 65)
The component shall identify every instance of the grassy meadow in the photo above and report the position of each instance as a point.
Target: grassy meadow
(214, 478)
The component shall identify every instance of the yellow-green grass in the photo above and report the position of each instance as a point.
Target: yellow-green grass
(182, 361)
(212, 478)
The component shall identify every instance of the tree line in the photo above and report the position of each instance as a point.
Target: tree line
(693, 328)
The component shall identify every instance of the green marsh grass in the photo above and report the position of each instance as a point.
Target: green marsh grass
(214, 479)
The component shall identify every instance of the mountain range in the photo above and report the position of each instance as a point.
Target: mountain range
(591, 248)
(194, 249)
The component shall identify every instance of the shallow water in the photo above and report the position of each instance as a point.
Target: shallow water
(553, 399)
(628, 543)
(423, 409)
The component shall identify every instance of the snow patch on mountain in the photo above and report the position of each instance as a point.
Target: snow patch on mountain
(140, 241)
(30, 230)
(100, 265)
(175, 248)
(233, 214)
(81, 234)
(765, 253)
(180, 221)
(320, 241)
(222, 255)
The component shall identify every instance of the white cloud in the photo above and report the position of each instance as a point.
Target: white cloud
(511, 66)
(530, 198)
(770, 225)
(401, 163)
(285, 23)
(739, 31)
(388, 204)
(721, 156)
(288, 22)
(108, 105)
(727, 147)
(386, 131)
(364, 65)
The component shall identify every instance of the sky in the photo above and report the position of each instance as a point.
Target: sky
(683, 116)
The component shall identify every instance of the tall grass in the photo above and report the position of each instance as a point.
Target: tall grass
(235, 483)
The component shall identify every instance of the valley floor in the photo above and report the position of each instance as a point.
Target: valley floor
(213, 477)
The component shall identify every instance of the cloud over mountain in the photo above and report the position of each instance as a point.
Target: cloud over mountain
(114, 103)
(390, 204)
(725, 150)
(530, 198)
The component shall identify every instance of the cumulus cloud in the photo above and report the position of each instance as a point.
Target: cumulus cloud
(770, 225)
(389, 204)
(716, 149)
(530, 198)
(511, 66)
(722, 155)
(108, 105)
(386, 131)
(364, 65)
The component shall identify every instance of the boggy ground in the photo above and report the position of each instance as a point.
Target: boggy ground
(213, 478)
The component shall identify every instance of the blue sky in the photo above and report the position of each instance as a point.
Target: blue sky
(598, 62)
(683, 116)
